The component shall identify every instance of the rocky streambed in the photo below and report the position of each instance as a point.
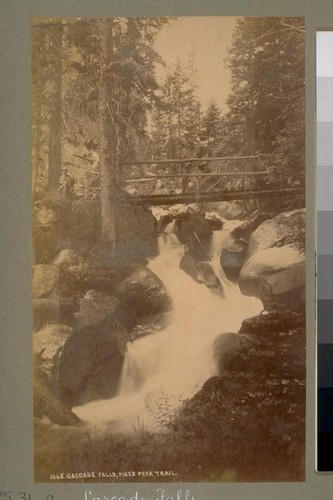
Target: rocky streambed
(247, 422)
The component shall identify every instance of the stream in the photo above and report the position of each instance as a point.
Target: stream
(163, 369)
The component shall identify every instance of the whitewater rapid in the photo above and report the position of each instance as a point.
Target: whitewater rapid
(163, 369)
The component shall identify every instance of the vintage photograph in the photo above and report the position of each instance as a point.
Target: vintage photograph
(168, 187)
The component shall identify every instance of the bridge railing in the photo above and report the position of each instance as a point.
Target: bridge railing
(198, 173)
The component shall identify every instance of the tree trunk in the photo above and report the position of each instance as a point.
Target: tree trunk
(36, 106)
(36, 136)
(55, 119)
(108, 136)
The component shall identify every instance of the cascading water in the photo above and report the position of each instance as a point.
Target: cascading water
(163, 369)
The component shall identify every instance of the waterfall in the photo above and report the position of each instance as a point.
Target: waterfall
(163, 369)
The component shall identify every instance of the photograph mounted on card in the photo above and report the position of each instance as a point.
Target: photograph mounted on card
(169, 249)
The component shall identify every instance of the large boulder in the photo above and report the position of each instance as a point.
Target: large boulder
(201, 272)
(143, 292)
(286, 287)
(48, 346)
(267, 262)
(216, 224)
(68, 257)
(91, 360)
(124, 314)
(46, 403)
(194, 231)
(187, 264)
(229, 349)
(245, 230)
(286, 228)
(148, 325)
(84, 363)
(137, 233)
(89, 269)
(207, 276)
(46, 281)
(233, 257)
(81, 278)
(54, 310)
(74, 275)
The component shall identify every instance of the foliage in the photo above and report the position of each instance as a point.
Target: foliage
(131, 71)
(266, 107)
(254, 434)
(247, 425)
(243, 426)
(211, 128)
(176, 118)
(46, 73)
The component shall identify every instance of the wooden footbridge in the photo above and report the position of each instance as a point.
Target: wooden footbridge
(195, 181)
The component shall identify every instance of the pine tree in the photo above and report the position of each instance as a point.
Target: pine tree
(38, 103)
(55, 117)
(266, 107)
(47, 54)
(176, 123)
(103, 97)
(211, 130)
(126, 88)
